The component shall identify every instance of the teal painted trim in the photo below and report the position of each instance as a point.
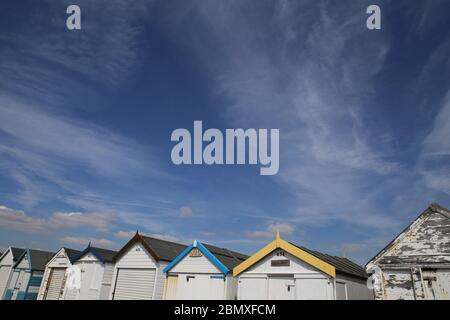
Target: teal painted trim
(31, 296)
(35, 281)
(8, 294)
(213, 258)
(26, 252)
(206, 253)
(178, 258)
(20, 295)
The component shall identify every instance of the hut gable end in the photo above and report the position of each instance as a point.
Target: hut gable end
(426, 241)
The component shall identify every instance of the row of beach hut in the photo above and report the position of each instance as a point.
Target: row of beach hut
(148, 268)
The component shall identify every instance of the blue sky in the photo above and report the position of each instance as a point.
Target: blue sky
(86, 118)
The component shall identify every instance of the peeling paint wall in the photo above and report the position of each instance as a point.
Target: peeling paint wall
(416, 265)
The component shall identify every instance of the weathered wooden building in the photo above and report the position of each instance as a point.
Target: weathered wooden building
(7, 261)
(416, 264)
(202, 272)
(284, 271)
(96, 269)
(138, 270)
(53, 282)
(27, 275)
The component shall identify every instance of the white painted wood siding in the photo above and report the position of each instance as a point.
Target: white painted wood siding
(5, 273)
(59, 260)
(200, 287)
(23, 263)
(138, 258)
(194, 265)
(160, 280)
(108, 273)
(356, 288)
(296, 265)
(308, 282)
(253, 287)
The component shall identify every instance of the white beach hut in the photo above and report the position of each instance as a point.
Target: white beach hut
(284, 271)
(7, 261)
(138, 270)
(96, 269)
(202, 272)
(53, 282)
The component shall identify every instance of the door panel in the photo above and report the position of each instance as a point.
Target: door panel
(253, 288)
(134, 284)
(171, 288)
(281, 288)
(55, 287)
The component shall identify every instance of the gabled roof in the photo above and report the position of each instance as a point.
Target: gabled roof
(159, 249)
(431, 209)
(321, 261)
(228, 257)
(37, 259)
(71, 253)
(222, 258)
(16, 253)
(103, 255)
(342, 265)
(297, 252)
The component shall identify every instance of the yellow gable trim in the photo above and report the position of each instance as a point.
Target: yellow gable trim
(308, 258)
(255, 258)
(279, 243)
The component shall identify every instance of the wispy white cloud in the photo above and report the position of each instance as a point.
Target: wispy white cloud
(185, 212)
(21, 221)
(315, 90)
(17, 220)
(101, 222)
(83, 241)
(271, 230)
(124, 234)
(434, 161)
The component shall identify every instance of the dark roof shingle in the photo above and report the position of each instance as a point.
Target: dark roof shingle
(71, 253)
(230, 259)
(166, 250)
(342, 265)
(105, 254)
(39, 259)
(17, 253)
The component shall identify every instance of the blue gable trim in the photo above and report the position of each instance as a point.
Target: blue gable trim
(178, 258)
(206, 253)
(88, 250)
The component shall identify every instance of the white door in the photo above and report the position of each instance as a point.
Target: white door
(341, 290)
(4, 277)
(91, 280)
(252, 288)
(134, 284)
(170, 292)
(18, 284)
(200, 287)
(55, 287)
(281, 287)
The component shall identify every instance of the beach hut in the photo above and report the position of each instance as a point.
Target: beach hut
(415, 265)
(96, 269)
(27, 275)
(138, 270)
(53, 282)
(202, 272)
(7, 261)
(284, 271)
